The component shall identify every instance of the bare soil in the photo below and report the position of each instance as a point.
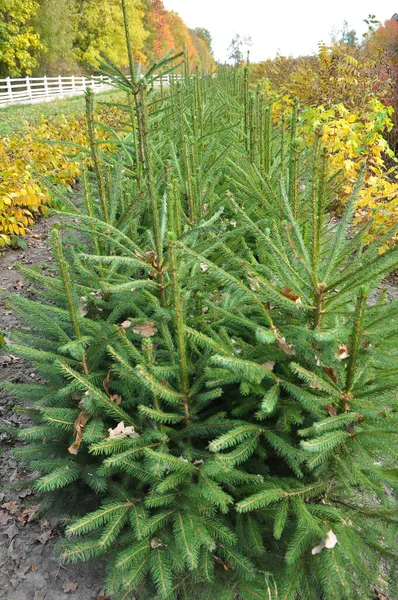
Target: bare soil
(29, 565)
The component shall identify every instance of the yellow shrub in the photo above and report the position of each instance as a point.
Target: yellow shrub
(24, 156)
(352, 139)
(339, 73)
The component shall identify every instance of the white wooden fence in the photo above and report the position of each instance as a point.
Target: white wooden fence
(30, 90)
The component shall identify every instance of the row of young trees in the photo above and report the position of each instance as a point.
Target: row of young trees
(58, 36)
(220, 404)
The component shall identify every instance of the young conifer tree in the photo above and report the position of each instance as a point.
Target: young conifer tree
(220, 376)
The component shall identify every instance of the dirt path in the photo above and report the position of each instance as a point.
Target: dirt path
(29, 566)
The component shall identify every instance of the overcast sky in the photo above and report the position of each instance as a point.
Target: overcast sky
(285, 26)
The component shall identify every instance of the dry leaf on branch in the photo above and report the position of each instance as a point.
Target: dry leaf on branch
(331, 410)
(284, 345)
(343, 352)
(126, 324)
(330, 373)
(269, 365)
(329, 542)
(83, 306)
(116, 398)
(291, 295)
(146, 329)
(253, 284)
(122, 432)
(79, 428)
(156, 543)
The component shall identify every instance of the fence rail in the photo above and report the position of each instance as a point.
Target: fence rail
(31, 90)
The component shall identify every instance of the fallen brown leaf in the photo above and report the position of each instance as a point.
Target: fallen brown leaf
(79, 428)
(69, 585)
(12, 507)
(147, 329)
(4, 517)
(121, 431)
(28, 513)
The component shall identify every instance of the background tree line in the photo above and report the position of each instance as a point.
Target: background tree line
(48, 37)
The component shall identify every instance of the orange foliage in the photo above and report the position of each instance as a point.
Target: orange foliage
(182, 37)
(384, 43)
(160, 39)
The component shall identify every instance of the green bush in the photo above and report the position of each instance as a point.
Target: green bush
(220, 396)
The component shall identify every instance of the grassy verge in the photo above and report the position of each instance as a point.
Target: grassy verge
(13, 118)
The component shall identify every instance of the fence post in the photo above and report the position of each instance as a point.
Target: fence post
(73, 84)
(45, 86)
(60, 84)
(9, 88)
(28, 88)
(84, 82)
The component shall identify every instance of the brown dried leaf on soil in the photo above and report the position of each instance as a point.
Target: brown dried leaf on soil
(28, 514)
(69, 585)
(12, 507)
(4, 517)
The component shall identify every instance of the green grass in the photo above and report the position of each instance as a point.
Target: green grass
(13, 118)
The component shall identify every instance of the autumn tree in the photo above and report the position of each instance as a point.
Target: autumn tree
(182, 37)
(159, 40)
(19, 43)
(205, 35)
(100, 29)
(55, 22)
(383, 43)
(202, 45)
